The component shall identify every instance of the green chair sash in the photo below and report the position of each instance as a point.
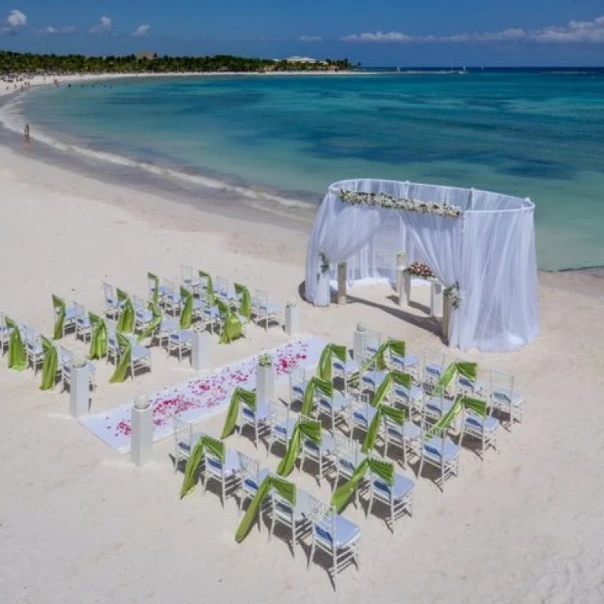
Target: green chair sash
(186, 314)
(210, 289)
(284, 488)
(248, 398)
(121, 371)
(127, 318)
(325, 366)
(467, 370)
(154, 287)
(445, 421)
(245, 305)
(154, 324)
(311, 429)
(397, 347)
(17, 356)
(232, 328)
(383, 469)
(51, 362)
(214, 446)
(60, 310)
(98, 340)
(315, 383)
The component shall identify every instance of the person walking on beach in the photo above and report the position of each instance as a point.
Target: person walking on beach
(26, 133)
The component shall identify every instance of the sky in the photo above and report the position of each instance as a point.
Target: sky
(375, 33)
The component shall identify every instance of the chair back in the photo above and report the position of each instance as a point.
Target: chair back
(183, 432)
(65, 358)
(109, 292)
(279, 414)
(2, 320)
(348, 453)
(140, 305)
(213, 463)
(221, 285)
(250, 470)
(323, 519)
(186, 273)
(170, 285)
(433, 365)
(80, 311)
(373, 340)
(502, 388)
(260, 298)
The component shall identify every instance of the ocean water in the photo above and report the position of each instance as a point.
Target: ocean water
(537, 134)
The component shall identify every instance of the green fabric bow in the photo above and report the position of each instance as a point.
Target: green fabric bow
(284, 488)
(121, 371)
(383, 469)
(51, 361)
(248, 398)
(383, 410)
(314, 384)
(309, 428)
(445, 421)
(154, 287)
(325, 366)
(17, 357)
(467, 370)
(186, 314)
(378, 359)
(60, 310)
(98, 341)
(153, 324)
(245, 304)
(210, 286)
(127, 318)
(232, 327)
(476, 405)
(214, 447)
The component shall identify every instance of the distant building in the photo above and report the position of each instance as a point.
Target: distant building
(146, 56)
(307, 60)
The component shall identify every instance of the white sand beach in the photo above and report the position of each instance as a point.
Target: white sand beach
(79, 523)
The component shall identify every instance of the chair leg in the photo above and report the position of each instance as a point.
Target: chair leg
(311, 555)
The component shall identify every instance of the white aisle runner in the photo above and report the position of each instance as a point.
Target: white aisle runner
(202, 396)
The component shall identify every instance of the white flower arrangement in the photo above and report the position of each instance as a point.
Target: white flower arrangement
(324, 262)
(452, 292)
(393, 203)
(265, 360)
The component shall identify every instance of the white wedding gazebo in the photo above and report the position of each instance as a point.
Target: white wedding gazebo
(480, 246)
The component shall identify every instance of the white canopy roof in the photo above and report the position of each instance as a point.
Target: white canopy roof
(488, 249)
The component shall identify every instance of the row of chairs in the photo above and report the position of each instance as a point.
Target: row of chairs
(240, 476)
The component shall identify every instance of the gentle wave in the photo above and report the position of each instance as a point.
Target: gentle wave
(13, 119)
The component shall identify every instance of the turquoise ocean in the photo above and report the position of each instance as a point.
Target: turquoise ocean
(531, 133)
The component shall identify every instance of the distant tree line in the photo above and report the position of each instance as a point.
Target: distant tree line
(13, 62)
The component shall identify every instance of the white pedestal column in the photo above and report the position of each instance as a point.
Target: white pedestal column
(265, 383)
(447, 310)
(141, 438)
(436, 299)
(200, 356)
(292, 319)
(402, 290)
(359, 343)
(79, 388)
(342, 283)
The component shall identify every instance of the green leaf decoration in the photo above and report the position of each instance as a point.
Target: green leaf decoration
(98, 340)
(284, 488)
(383, 469)
(246, 397)
(325, 366)
(127, 318)
(245, 305)
(121, 371)
(155, 286)
(154, 323)
(60, 310)
(314, 384)
(51, 362)
(17, 357)
(186, 314)
(210, 290)
(311, 429)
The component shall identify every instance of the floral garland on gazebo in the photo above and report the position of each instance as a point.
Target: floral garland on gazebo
(394, 203)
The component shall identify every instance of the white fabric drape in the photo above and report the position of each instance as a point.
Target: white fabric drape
(489, 252)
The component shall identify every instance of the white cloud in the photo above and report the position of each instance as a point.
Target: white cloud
(58, 31)
(15, 21)
(141, 30)
(310, 39)
(575, 32)
(104, 25)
